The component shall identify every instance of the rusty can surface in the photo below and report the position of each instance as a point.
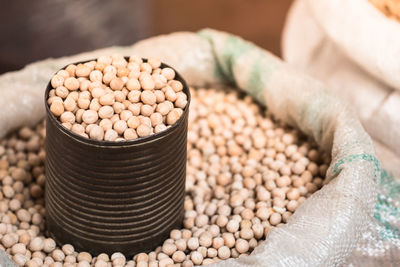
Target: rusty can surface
(106, 196)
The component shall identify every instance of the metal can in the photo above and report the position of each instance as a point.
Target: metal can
(104, 197)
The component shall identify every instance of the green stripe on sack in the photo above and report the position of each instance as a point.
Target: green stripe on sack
(227, 51)
(256, 83)
(384, 209)
(389, 184)
(359, 157)
(232, 49)
(383, 212)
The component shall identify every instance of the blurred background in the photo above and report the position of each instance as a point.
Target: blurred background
(34, 30)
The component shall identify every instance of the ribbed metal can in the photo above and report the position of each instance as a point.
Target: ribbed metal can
(106, 196)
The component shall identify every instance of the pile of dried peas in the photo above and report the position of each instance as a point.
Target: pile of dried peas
(245, 175)
(113, 99)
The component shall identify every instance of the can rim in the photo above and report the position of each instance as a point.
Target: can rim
(126, 143)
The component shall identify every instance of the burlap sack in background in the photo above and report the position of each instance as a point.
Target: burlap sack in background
(326, 229)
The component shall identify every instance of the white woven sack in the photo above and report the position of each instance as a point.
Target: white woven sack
(328, 226)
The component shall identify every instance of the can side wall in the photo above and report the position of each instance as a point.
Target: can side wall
(115, 196)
